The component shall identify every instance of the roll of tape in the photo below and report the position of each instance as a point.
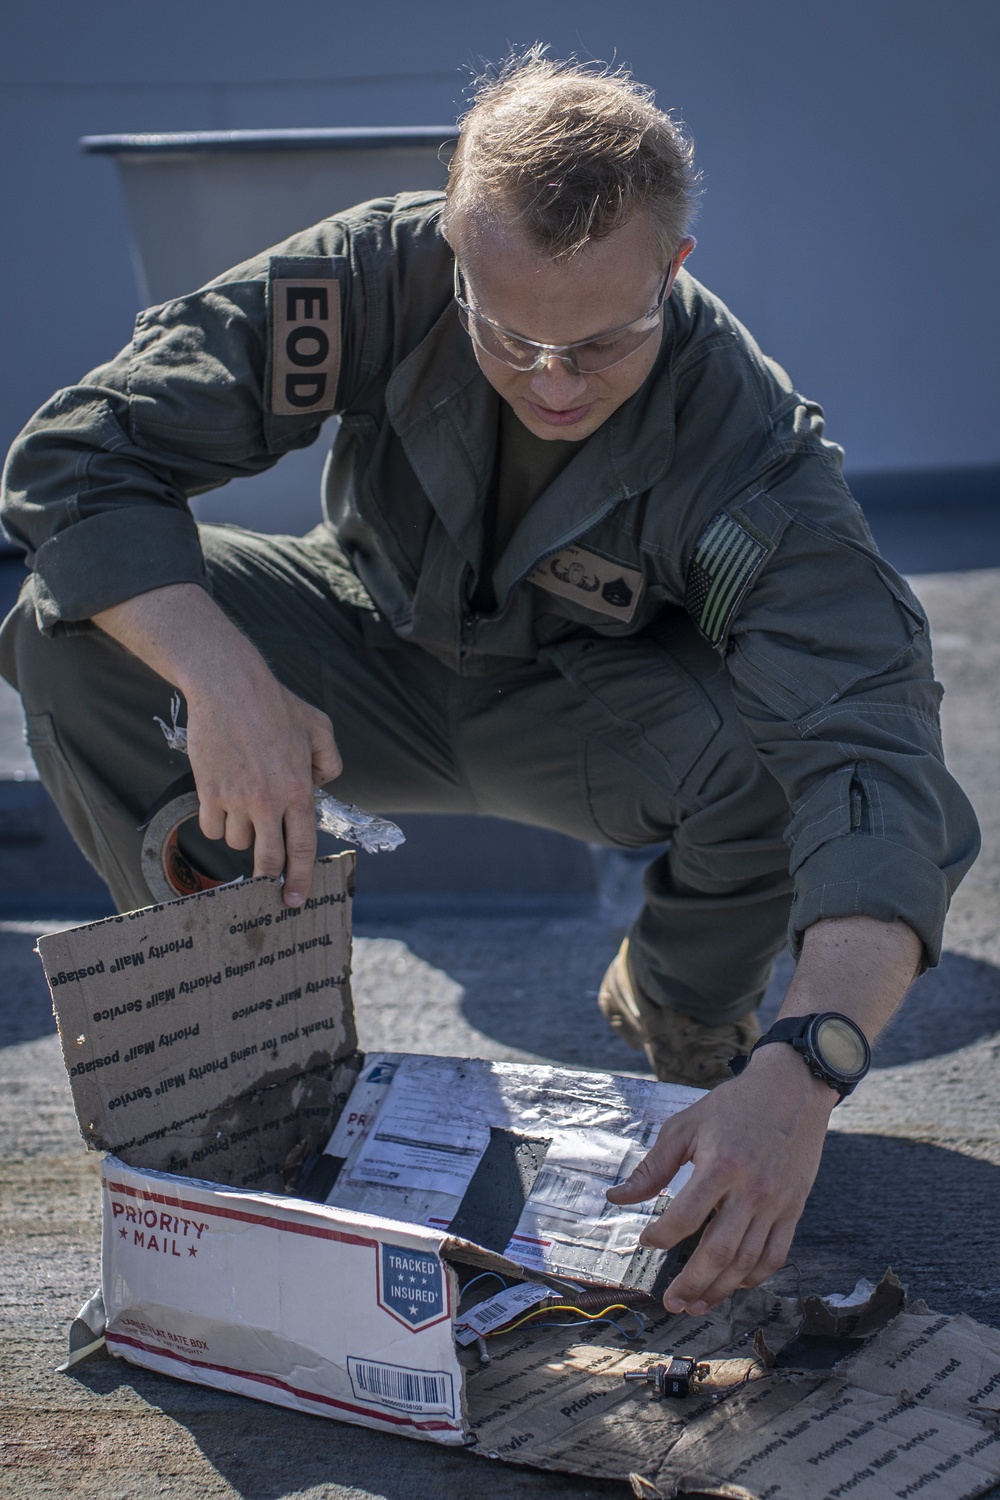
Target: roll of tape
(165, 869)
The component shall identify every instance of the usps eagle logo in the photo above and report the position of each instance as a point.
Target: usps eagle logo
(411, 1286)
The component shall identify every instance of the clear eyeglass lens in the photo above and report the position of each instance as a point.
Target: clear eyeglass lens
(589, 358)
(841, 1048)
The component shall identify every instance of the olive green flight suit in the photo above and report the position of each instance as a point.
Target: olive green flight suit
(694, 636)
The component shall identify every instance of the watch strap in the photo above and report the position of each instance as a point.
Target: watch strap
(788, 1030)
(791, 1030)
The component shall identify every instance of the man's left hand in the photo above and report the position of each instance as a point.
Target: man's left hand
(755, 1144)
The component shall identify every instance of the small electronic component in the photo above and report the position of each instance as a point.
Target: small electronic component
(672, 1378)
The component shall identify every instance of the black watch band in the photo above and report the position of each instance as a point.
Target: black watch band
(832, 1046)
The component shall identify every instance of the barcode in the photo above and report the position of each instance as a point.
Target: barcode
(493, 1313)
(486, 1310)
(560, 1190)
(410, 1390)
(402, 1385)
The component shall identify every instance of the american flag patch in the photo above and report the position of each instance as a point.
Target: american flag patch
(721, 570)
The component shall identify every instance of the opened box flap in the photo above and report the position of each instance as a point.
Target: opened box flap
(214, 1035)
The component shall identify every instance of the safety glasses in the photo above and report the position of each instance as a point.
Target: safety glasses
(585, 357)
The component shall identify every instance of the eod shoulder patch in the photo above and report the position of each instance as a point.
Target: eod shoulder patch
(304, 297)
(725, 560)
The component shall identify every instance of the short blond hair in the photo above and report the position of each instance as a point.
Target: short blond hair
(568, 152)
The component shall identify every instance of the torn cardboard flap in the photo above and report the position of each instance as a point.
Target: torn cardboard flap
(899, 1417)
(212, 1034)
(857, 1314)
(896, 1419)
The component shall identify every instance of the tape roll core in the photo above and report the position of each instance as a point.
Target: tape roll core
(165, 869)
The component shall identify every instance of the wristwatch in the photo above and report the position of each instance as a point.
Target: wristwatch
(832, 1046)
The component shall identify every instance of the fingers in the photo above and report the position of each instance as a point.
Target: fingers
(300, 852)
(724, 1261)
(755, 1146)
(212, 818)
(658, 1167)
(773, 1255)
(216, 821)
(256, 778)
(239, 831)
(326, 762)
(746, 1241)
(729, 1253)
(269, 846)
(282, 844)
(727, 1241)
(686, 1214)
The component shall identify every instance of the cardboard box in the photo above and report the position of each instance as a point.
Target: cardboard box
(212, 1052)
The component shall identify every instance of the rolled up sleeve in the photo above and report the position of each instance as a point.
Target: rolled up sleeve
(97, 485)
(111, 557)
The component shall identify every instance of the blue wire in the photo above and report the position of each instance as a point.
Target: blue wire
(590, 1322)
(481, 1277)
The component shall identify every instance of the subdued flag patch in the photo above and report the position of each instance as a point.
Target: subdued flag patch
(721, 570)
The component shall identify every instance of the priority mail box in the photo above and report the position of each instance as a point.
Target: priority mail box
(288, 1219)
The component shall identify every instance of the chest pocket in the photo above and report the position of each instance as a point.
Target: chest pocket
(635, 697)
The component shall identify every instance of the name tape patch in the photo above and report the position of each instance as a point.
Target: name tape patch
(722, 569)
(607, 587)
(305, 349)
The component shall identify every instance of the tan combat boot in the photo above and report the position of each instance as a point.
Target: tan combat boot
(680, 1049)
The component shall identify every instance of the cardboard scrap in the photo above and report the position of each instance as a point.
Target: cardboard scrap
(213, 1035)
(559, 1400)
(862, 1312)
(900, 1417)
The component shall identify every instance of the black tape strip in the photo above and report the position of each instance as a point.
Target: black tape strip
(318, 1182)
(650, 1270)
(500, 1187)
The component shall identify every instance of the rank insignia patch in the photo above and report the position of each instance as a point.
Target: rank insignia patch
(590, 580)
(722, 569)
(411, 1286)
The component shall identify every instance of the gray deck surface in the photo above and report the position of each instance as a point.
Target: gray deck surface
(910, 1178)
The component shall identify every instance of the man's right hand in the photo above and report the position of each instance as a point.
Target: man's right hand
(257, 751)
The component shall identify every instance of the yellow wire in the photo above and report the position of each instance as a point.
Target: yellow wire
(562, 1307)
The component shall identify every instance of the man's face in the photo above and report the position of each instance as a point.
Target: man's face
(603, 287)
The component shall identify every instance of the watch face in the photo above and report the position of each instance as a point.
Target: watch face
(840, 1047)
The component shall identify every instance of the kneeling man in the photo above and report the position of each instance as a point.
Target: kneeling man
(588, 563)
